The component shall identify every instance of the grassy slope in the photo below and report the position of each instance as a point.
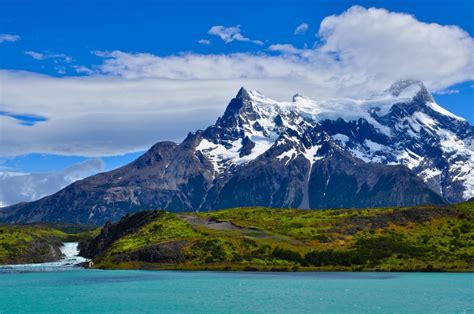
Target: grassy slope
(33, 243)
(408, 239)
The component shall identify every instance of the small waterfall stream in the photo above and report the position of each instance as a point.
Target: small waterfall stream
(71, 254)
(70, 260)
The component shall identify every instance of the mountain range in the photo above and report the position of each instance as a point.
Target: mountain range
(396, 148)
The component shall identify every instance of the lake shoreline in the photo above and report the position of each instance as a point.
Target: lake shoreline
(275, 270)
(79, 265)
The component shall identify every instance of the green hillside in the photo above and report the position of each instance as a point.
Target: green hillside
(423, 238)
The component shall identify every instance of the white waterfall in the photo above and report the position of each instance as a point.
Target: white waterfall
(70, 250)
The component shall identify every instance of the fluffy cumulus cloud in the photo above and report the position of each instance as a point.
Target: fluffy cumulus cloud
(131, 100)
(229, 34)
(21, 187)
(301, 29)
(376, 42)
(9, 37)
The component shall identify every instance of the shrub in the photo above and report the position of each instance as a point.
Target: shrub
(366, 251)
(333, 257)
(287, 255)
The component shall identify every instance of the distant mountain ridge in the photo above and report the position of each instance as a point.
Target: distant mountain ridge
(394, 149)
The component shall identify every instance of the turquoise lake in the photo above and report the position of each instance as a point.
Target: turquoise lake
(80, 290)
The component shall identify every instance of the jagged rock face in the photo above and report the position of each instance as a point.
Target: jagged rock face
(396, 148)
(343, 181)
(112, 232)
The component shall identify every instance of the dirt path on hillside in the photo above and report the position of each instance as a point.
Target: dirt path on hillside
(229, 226)
(222, 225)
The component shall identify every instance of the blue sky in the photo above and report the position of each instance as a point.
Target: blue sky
(100, 79)
(76, 28)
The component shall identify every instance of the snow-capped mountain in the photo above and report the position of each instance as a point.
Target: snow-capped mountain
(403, 125)
(396, 148)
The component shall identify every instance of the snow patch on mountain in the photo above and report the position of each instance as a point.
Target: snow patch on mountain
(222, 157)
(374, 146)
(310, 154)
(341, 138)
(288, 155)
(443, 111)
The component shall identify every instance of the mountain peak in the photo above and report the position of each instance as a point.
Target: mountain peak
(410, 88)
(236, 104)
(242, 93)
(399, 86)
(240, 109)
(249, 94)
(297, 96)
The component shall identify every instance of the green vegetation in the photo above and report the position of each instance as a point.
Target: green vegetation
(423, 238)
(166, 227)
(38, 243)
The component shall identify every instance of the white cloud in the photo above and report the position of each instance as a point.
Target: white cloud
(229, 34)
(447, 91)
(132, 100)
(301, 29)
(9, 37)
(42, 56)
(35, 55)
(378, 43)
(60, 70)
(21, 187)
(284, 48)
(189, 66)
(82, 69)
(204, 41)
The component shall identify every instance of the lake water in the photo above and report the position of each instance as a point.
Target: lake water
(71, 289)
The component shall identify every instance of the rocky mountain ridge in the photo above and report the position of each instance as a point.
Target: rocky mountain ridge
(394, 149)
